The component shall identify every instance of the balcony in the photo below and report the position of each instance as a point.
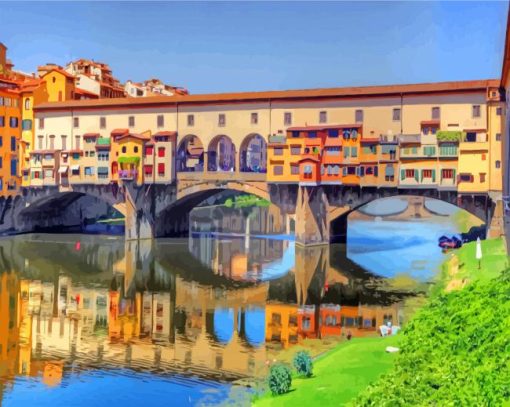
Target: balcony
(128, 175)
(418, 152)
(474, 146)
(409, 138)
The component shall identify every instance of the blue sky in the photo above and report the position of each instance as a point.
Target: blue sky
(223, 47)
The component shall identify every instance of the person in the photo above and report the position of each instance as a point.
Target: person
(389, 324)
(349, 335)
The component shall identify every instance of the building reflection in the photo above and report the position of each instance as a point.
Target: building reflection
(175, 306)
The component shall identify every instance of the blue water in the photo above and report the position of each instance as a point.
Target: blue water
(115, 388)
(389, 248)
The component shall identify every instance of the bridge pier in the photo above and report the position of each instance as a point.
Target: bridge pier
(312, 223)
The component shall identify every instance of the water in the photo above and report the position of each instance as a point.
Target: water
(96, 320)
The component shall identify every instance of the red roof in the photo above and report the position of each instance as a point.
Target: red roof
(318, 128)
(165, 134)
(370, 140)
(79, 91)
(430, 122)
(133, 135)
(119, 132)
(61, 71)
(475, 130)
(347, 92)
(90, 135)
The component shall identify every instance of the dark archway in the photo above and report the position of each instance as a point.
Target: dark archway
(253, 154)
(221, 154)
(190, 154)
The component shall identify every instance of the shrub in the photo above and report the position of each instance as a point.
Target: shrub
(279, 379)
(303, 363)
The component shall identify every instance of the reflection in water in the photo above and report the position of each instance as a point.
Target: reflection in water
(194, 313)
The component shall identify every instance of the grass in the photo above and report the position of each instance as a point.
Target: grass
(339, 375)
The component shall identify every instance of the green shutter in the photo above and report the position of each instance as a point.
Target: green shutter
(417, 175)
(402, 174)
(433, 175)
(354, 151)
(346, 152)
(455, 177)
(421, 173)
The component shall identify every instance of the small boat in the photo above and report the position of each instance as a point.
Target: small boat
(448, 243)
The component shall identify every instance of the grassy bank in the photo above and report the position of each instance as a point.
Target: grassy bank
(456, 350)
(339, 375)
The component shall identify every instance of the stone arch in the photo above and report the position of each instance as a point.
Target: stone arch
(190, 154)
(253, 154)
(221, 154)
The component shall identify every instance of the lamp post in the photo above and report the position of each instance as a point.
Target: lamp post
(479, 252)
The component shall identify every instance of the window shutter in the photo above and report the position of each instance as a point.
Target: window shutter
(417, 175)
(433, 175)
(402, 174)
(454, 176)
(344, 171)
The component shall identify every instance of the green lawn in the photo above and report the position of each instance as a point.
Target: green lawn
(339, 375)
(494, 259)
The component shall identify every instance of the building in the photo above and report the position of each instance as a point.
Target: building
(505, 138)
(95, 78)
(152, 87)
(441, 135)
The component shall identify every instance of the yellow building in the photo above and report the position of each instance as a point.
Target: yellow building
(126, 155)
(10, 134)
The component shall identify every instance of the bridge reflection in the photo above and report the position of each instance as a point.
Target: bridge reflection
(209, 308)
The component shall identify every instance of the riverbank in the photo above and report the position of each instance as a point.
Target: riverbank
(455, 349)
(339, 375)
(457, 337)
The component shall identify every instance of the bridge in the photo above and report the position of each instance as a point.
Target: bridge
(319, 212)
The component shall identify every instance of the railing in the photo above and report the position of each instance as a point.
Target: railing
(280, 139)
(221, 176)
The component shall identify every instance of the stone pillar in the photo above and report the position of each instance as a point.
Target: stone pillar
(237, 164)
(138, 223)
(312, 225)
(497, 223)
(206, 160)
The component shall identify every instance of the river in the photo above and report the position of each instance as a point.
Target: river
(94, 320)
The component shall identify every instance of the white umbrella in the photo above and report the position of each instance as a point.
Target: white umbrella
(479, 252)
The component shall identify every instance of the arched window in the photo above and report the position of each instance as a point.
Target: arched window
(124, 149)
(27, 104)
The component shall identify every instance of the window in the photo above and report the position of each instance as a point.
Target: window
(14, 167)
(1, 162)
(27, 104)
(13, 143)
(40, 142)
(323, 117)
(295, 134)
(499, 111)
(161, 169)
(436, 113)
(52, 142)
(7, 102)
(2, 121)
(77, 142)
(294, 169)
(482, 177)
(447, 174)
(1, 101)
(333, 150)
(26, 124)
(287, 118)
(498, 136)
(498, 164)
(476, 111)
(191, 120)
(333, 133)
(278, 170)
(147, 169)
(372, 149)
(347, 151)
(254, 118)
(429, 151)
(277, 150)
(161, 151)
(102, 122)
(484, 157)
(295, 150)
(149, 150)
(76, 122)
(312, 134)
(13, 122)
(396, 114)
(41, 123)
(131, 121)
(409, 173)
(354, 151)
(221, 120)
(358, 116)
(89, 171)
(471, 137)
(124, 149)
(465, 178)
(161, 120)
(427, 174)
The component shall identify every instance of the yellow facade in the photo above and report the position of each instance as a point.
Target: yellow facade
(60, 86)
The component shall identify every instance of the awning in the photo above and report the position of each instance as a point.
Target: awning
(75, 167)
(102, 170)
(63, 170)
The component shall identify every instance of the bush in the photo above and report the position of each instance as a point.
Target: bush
(455, 351)
(280, 379)
(303, 363)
